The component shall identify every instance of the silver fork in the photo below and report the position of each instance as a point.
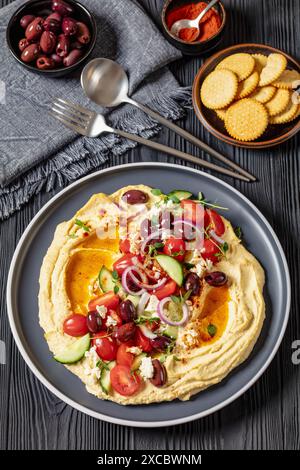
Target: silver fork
(88, 123)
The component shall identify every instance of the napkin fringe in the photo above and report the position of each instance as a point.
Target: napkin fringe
(85, 155)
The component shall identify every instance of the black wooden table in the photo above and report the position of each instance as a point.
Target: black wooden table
(268, 415)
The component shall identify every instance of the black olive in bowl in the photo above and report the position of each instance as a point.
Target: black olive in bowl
(34, 59)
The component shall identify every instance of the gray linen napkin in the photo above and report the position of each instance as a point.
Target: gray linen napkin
(36, 152)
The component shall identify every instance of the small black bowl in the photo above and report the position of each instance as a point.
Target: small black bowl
(193, 48)
(14, 33)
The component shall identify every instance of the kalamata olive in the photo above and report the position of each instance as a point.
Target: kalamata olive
(94, 322)
(160, 374)
(135, 196)
(125, 332)
(51, 24)
(72, 57)
(83, 34)
(58, 60)
(160, 343)
(76, 45)
(45, 63)
(23, 43)
(26, 20)
(192, 282)
(216, 279)
(63, 45)
(48, 42)
(30, 53)
(69, 26)
(34, 29)
(166, 220)
(127, 311)
(63, 8)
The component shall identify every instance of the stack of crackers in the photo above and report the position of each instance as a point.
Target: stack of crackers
(250, 91)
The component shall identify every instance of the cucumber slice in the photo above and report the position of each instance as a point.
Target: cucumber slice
(181, 194)
(171, 332)
(75, 351)
(106, 281)
(172, 267)
(135, 299)
(137, 361)
(105, 377)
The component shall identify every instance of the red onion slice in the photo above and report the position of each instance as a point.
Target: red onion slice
(216, 237)
(125, 284)
(160, 283)
(151, 236)
(165, 319)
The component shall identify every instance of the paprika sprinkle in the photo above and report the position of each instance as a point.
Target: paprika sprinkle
(210, 23)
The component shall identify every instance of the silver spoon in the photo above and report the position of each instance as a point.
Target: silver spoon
(183, 24)
(106, 83)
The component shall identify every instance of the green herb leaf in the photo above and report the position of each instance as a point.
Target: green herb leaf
(102, 365)
(225, 247)
(141, 320)
(116, 289)
(175, 299)
(174, 198)
(187, 294)
(175, 358)
(156, 192)
(82, 225)
(72, 235)
(188, 265)
(238, 232)
(200, 196)
(115, 275)
(163, 358)
(204, 202)
(212, 330)
(158, 245)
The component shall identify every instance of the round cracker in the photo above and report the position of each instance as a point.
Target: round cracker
(241, 64)
(221, 113)
(219, 89)
(260, 61)
(246, 119)
(246, 87)
(287, 80)
(276, 64)
(286, 116)
(279, 102)
(264, 94)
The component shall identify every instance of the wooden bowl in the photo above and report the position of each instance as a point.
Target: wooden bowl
(274, 135)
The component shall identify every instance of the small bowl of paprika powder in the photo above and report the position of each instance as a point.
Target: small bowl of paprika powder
(211, 26)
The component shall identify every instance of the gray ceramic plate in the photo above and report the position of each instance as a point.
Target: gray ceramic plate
(22, 293)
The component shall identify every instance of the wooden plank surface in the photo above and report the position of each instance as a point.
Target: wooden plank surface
(268, 415)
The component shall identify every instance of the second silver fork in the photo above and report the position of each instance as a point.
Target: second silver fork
(90, 124)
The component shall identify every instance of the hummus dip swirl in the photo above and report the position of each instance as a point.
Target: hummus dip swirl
(143, 316)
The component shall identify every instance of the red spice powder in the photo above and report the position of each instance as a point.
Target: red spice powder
(209, 25)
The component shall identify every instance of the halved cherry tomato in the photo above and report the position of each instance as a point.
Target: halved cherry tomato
(168, 289)
(215, 221)
(210, 250)
(124, 246)
(125, 358)
(175, 245)
(142, 342)
(75, 325)
(124, 381)
(194, 212)
(124, 262)
(115, 316)
(108, 300)
(106, 346)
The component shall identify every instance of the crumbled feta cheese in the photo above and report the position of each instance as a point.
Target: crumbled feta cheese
(152, 304)
(146, 368)
(134, 350)
(209, 265)
(102, 310)
(110, 321)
